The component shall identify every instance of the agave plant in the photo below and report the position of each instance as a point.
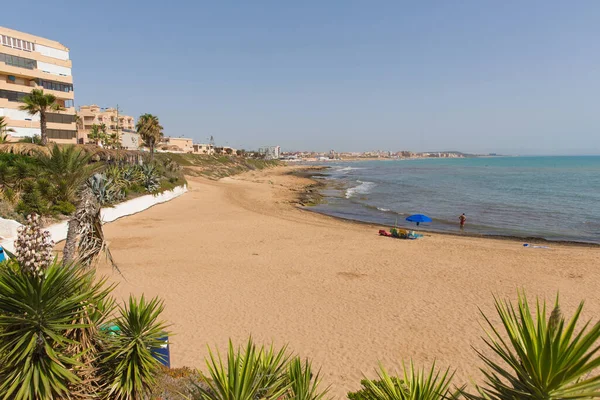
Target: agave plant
(130, 363)
(151, 178)
(246, 375)
(543, 358)
(105, 189)
(303, 384)
(129, 175)
(414, 385)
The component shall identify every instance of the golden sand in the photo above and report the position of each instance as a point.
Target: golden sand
(234, 258)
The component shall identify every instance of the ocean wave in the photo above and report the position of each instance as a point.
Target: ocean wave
(384, 209)
(363, 188)
(348, 169)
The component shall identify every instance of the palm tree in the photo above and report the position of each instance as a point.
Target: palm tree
(150, 131)
(67, 168)
(95, 134)
(38, 102)
(4, 129)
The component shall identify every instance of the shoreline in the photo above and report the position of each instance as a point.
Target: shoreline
(319, 184)
(237, 257)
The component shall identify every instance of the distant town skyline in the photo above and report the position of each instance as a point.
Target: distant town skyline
(511, 77)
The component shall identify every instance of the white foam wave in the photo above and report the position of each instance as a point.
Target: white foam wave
(363, 188)
(383, 209)
(348, 169)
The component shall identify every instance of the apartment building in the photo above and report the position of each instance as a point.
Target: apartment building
(270, 152)
(30, 62)
(115, 122)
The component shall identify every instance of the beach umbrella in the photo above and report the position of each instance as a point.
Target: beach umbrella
(418, 218)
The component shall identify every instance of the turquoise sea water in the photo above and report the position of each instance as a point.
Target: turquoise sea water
(556, 198)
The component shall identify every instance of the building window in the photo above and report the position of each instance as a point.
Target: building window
(18, 61)
(51, 85)
(61, 134)
(18, 44)
(69, 103)
(60, 118)
(12, 96)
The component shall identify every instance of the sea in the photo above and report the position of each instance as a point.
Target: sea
(552, 198)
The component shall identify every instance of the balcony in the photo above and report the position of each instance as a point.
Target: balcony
(15, 87)
(36, 56)
(36, 73)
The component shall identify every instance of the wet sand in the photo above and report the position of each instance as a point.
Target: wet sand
(236, 257)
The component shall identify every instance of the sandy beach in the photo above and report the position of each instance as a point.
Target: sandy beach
(236, 257)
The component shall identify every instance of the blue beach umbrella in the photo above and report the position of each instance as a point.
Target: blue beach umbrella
(418, 218)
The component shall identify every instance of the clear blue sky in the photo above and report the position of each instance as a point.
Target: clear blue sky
(518, 77)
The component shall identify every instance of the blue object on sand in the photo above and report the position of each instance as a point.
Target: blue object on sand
(163, 353)
(2, 254)
(418, 218)
(534, 246)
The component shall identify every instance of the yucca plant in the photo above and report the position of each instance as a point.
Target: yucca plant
(245, 375)
(37, 311)
(130, 364)
(540, 357)
(414, 385)
(303, 384)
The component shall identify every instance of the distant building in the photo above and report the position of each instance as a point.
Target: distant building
(130, 140)
(270, 152)
(116, 123)
(184, 145)
(30, 62)
(208, 149)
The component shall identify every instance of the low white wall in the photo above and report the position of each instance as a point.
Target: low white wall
(58, 232)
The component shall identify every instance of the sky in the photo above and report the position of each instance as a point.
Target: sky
(512, 77)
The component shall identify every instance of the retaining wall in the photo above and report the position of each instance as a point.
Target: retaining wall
(58, 231)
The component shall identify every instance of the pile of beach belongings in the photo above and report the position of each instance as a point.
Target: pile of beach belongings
(400, 234)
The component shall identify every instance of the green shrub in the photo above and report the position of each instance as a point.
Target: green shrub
(136, 188)
(173, 383)
(32, 201)
(64, 208)
(8, 211)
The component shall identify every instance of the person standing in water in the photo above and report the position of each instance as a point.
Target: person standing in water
(462, 219)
